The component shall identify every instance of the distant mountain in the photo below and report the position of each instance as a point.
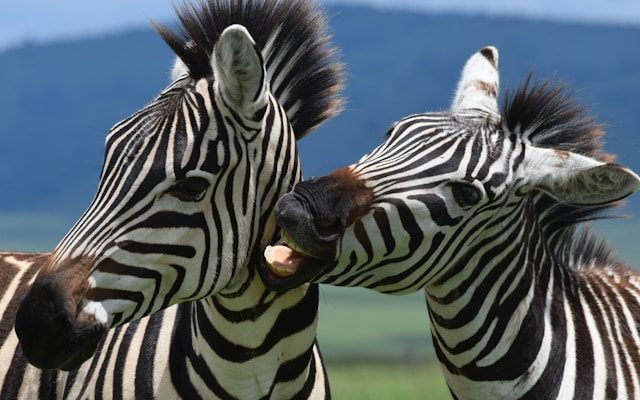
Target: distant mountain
(57, 101)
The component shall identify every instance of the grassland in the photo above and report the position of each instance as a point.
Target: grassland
(378, 346)
(387, 382)
(358, 324)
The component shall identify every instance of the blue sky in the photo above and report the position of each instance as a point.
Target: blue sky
(40, 20)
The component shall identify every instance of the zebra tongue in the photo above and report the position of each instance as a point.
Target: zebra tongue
(282, 261)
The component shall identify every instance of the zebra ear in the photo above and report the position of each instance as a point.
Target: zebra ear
(578, 180)
(479, 84)
(178, 70)
(239, 69)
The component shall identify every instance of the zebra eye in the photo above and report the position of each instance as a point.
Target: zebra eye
(190, 189)
(465, 194)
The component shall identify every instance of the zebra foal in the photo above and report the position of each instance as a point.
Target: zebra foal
(480, 208)
(154, 292)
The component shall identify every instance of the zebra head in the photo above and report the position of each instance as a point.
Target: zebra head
(188, 186)
(409, 214)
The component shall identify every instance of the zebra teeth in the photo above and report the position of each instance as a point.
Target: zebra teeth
(286, 258)
(282, 261)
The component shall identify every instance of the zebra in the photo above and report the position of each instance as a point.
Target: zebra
(482, 208)
(17, 272)
(154, 292)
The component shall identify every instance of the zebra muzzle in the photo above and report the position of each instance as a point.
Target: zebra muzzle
(287, 265)
(53, 331)
(287, 258)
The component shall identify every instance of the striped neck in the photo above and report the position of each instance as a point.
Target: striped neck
(493, 322)
(257, 345)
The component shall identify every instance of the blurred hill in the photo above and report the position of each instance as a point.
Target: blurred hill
(57, 101)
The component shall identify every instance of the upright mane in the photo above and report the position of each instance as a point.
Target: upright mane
(544, 113)
(302, 66)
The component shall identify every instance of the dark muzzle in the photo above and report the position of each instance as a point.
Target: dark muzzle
(52, 330)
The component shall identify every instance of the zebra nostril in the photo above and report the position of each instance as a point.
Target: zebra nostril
(327, 227)
(60, 324)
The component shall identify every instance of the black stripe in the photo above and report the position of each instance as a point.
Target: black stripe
(121, 358)
(14, 377)
(145, 366)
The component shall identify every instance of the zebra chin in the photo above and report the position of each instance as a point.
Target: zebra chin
(53, 329)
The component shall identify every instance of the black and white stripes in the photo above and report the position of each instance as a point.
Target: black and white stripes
(480, 208)
(158, 277)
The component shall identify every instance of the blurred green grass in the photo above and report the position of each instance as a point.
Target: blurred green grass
(378, 346)
(359, 324)
(387, 382)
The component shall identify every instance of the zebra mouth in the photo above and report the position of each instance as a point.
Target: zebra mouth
(287, 265)
(65, 347)
(85, 350)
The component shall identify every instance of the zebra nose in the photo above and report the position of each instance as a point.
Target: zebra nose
(53, 331)
(301, 219)
(43, 322)
(330, 226)
(291, 214)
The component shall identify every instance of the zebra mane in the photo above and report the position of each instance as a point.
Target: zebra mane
(581, 249)
(545, 113)
(302, 66)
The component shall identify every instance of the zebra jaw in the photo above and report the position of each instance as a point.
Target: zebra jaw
(286, 265)
(285, 259)
(282, 261)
